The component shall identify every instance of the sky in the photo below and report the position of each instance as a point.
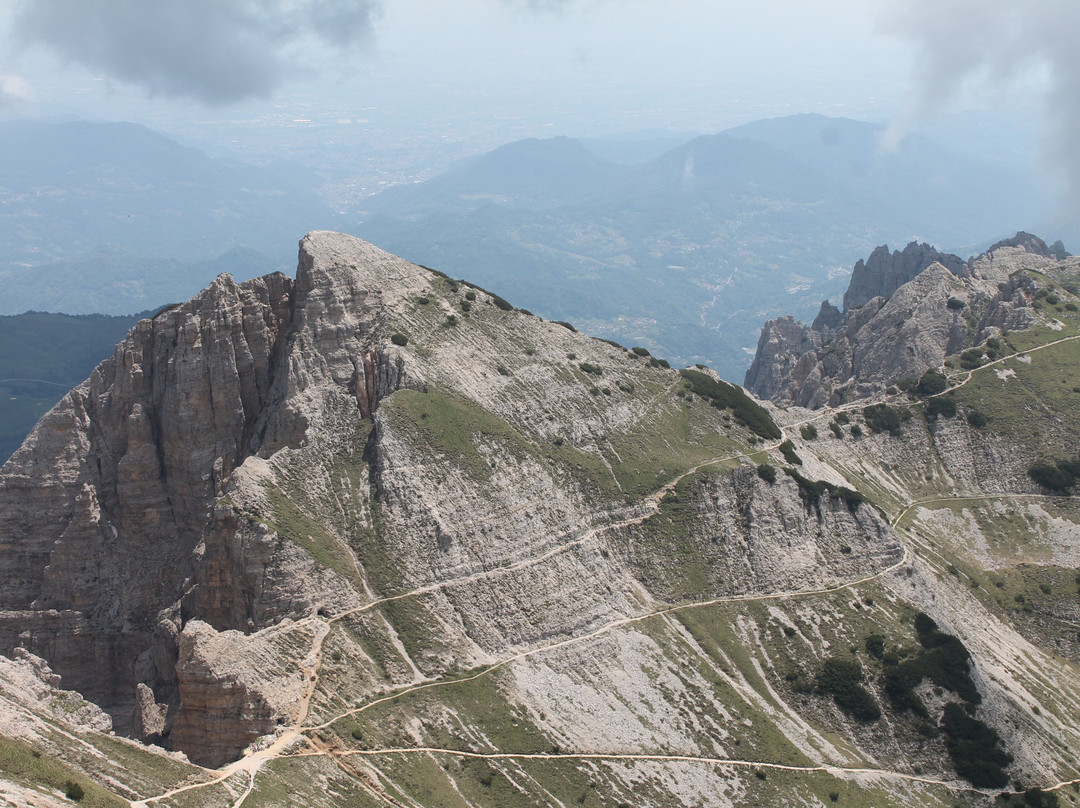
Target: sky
(422, 75)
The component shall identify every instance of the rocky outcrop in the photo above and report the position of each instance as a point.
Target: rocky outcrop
(884, 272)
(907, 325)
(110, 539)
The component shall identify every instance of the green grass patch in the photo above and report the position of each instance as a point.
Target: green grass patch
(728, 396)
(22, 763)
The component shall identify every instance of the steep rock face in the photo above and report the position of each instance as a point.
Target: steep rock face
(107, 513)
(939, 311)
(110, 493)
(884, 272)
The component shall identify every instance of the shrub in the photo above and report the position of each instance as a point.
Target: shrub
(843, 418)
(808, 432)
(1059, 476)
(971, 358)
(466, 305)
(882, 418)
(856, 431)
(875, 645)
(399, 339)
(451, 321)
(787, 449)
(973, 747)
(907, 384)
(976, 419)
(500, 303)
(503, 370)
(836, 430)
(1053, 300)
(73, 791)
(1070, 307)
(590, 368)
(842, 679)
(470, 295)
(641, 351)
(931, 383)
(767, 472)
(566, 325)
(941, 406)
(721, 394)
(955, 304)
(423, 301)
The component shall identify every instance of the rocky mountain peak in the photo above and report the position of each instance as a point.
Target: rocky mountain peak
(904, 312)
(884, 272)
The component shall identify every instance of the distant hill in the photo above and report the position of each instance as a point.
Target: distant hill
(113, 280)
(690, 252)
(67, 188)
(42, 356)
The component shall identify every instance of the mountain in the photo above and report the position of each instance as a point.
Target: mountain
(689, 253)
(372, 536)
(68, 188)
(113, 280)
(905, 312)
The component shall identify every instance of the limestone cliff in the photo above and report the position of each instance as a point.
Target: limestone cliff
(904, 313)
(373, 537)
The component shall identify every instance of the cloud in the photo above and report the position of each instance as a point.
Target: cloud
(986, 45)
(13, 89)
(217, 51)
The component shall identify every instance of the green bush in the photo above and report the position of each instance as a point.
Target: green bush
(500, 303)
(931, 383)
(1058, 476)
(1053, 300)
(466, 306)
(971, 358)
(423, 301)
(954, 304)
(856, 431)
(973, 747)
(721, 394)
(73, 791)
(399, 339)
(835, 428)
(641, 351)
(976, 419)
(941, 406)
(1070, 307)
(944, 660)
(566, 325)
(787, 449)
(875, 645)
(767, 472)
(842, 679)
(590, 368)
(808, 432)
(503, 370)
(882, 418)
(908, 384)
(843, 418)
(470, 295)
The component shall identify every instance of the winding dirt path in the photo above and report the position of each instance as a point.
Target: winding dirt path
(253, 763)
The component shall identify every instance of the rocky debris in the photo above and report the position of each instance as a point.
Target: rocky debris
(884, 272)
(30, 686)
(907, 327)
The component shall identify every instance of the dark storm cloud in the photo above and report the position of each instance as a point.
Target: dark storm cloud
(217, 51)
(984, 45)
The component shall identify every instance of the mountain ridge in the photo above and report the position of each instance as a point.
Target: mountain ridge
(411, 544)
